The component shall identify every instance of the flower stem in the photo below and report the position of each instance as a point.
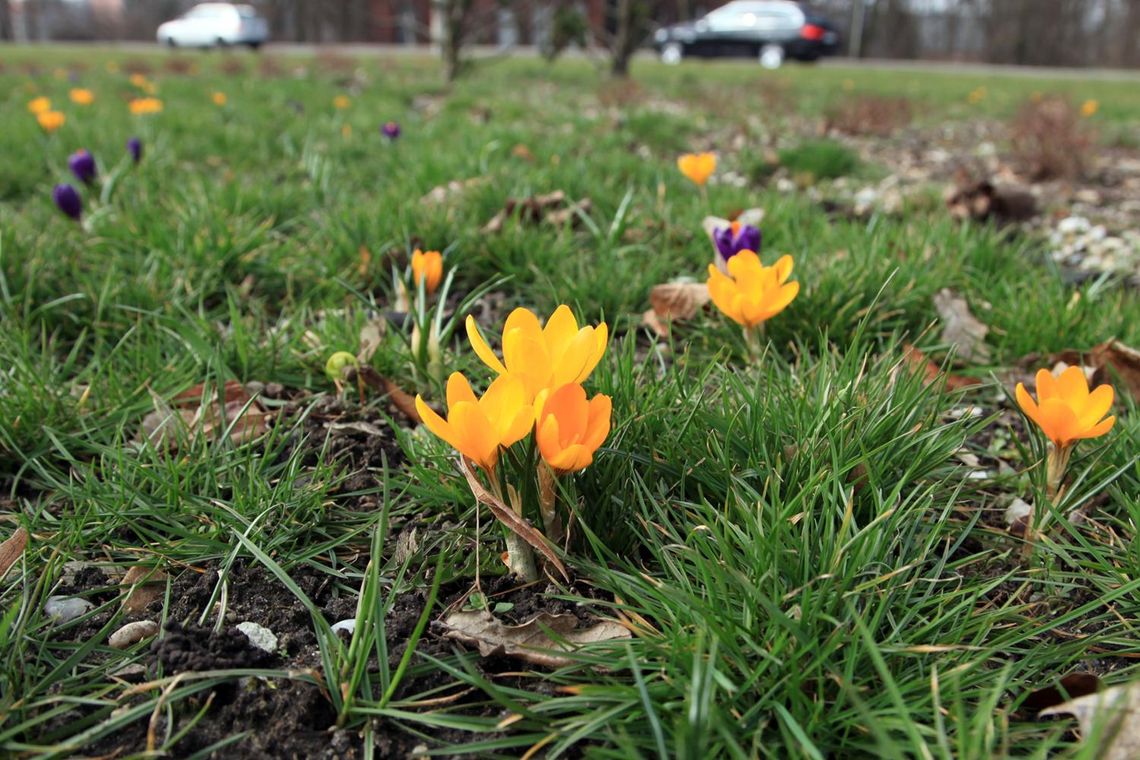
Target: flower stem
(753, 337)
(547, 498)
(1056, 462)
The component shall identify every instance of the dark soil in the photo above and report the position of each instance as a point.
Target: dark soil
(360, 443)
(289, 718)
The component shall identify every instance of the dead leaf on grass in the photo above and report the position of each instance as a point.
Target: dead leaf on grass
(142, 585)
(538, 641)
(442, 194)
(1115, 712)
(12, 549)
(1068, 687)
(518, 524)
(1109, 359)
(371, 335)
(960, 328)
(552, 208)
(931, 372)
(195, 412)
(674, 302)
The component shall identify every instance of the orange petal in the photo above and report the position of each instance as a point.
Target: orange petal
(482, 350)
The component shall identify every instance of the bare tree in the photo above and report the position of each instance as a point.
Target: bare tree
(630, 24)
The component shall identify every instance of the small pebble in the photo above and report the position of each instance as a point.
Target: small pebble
(64, 609)
(132, 633)
(348, 626)
(258, 635)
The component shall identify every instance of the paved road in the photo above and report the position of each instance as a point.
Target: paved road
(486, 51)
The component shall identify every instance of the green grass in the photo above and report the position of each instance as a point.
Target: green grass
(811, 570)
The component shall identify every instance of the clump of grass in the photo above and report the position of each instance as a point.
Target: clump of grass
(821, 159)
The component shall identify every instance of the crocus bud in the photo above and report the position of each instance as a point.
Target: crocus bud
(67, 199)
(82, 165)
(391, 130)
(134, 147)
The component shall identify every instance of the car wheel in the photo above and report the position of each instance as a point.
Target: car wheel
(170, 43)
(672, 53)
(255, 46)
(221, 44)
(772, 56)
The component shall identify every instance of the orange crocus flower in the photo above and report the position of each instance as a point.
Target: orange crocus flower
(427, 266)
(478, 427)
(1065, 410)
(698, 167)
(571, 428)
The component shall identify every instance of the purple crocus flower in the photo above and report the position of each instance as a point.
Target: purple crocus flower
(735, 238)
(391, 130)
(82, 165)
(134, 147)
(67, 199)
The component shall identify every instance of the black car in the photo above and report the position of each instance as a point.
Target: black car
(769, 30)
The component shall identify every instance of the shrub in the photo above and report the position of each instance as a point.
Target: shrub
(875, 115)
(1049, 138)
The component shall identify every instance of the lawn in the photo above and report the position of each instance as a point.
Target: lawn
(795, 543)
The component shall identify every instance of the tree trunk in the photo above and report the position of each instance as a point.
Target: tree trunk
(626, 36)
(455, 20)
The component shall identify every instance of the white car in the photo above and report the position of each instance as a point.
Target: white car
(215, 24)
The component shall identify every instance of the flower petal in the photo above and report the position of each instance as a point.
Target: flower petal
(482, 350)
(458, 389)
(1096, 406)
(1027, 404)
(1072, 387)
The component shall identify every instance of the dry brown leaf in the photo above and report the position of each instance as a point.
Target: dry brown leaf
(1073, 685)
(523, 152)
(960, 328)
(371, 335)
(678, 301)
(244, 417)
(517, 523)
(1110, 717)
(1111, 360)
(142, 585)
(442, 194)
(552, 208)
(12, 549)
(674, 302)
(538, 641)
(931, 372)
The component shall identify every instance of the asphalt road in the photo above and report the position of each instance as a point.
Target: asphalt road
(486, 51)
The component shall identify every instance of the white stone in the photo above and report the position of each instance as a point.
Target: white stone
(258, 635)
(132, 633)
(348, 626)
(64, 609)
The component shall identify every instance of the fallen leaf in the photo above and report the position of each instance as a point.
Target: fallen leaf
(142, 585)
(449, 191)
(539, 641)
(674, 302)
(1111, 361)
(960, 328)
(1115, 712)
(984, 201)
(1069, 687)
(371, 334)
(194, 412)
(552, 208)
(516, 523)
(931, 372)
(1017, 516)
(12, 549)
(523, 152)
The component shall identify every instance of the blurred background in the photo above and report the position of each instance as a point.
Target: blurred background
(1094, 33)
